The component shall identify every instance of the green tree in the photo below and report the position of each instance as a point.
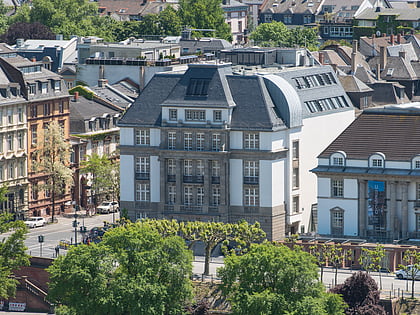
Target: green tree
(371, 260)
(12, 251)
(274, 34)
(170, 21)
(204, 14)
(133, 271)
(54, 161)
(412, 267)
(336, 255)
(303, 37)
(319, 251)
(274, 279)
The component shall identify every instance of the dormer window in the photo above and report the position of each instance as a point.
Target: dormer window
(195, 115)
(198, 87)
(377, 163)
(377, 160)
(338, 158)
(415, 163)
(338, 161)
(173, 114)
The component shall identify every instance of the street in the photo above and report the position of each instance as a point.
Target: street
(63, 230)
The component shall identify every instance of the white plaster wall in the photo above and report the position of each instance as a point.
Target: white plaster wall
(397, 164)
(154, 179)
(350, 208)
(155, 137)
(127, 178)
(265, 141)
(278, 168)
(350, 188)
(277, 140)
(324, 189)
(317, 133)
(357, 163)
(266, 187)
(236, 140)
(235, 176)
(126, 136)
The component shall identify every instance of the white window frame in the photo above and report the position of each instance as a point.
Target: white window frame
(143, 164)
(171, 140)
(171, 167)
(200, 168)
(251, 169)
(171, 194)
(195, 115)
(215, 196)
(188, 141)
(215, 168)
(337, 188)
(251, 141)
(216, 141)
(251, 196)
(200, 141)
(377, 162)
(188, 195)
(143, 137)
(338, 161)
(217, 115)
(142, 192)
(188, 167)
(200, 195)
(173, 114)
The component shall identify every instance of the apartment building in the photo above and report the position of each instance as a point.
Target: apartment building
(206, 144)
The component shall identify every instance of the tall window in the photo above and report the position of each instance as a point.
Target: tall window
(143, 165)
(31, 88)
(142, 192)
(295, 177)
(61, 107)
(215, 196)
(200, 195)
(143, 137)
(21, 169)
(295, 149)
(337, 221)
(188, 141)
(188, 195)
(200, 168)
(337, 188)
(34, 134)
(188, 167)
(417, 164)
(251, 197)
(217, 115)
(10, 142)
(295, 205)
(215, 168)
(251, 168)
(20, 114)
(47, 109)
(44, 87)
(200, 141)
(171, 194)
(1, 172)
(216, 142)
(1, 143)
(251, 141)
(171, 140)
(11, 170)
(20, 139)
(1, 117)
(171, 167)
(10, 116)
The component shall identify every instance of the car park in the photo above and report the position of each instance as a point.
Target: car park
(108, 207)
(408, 272)
(33, 222)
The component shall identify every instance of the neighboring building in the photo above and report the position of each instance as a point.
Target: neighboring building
(93, 127)
(290, 12)
(370, 46)
(53, 54)
(368, 178)
(236, 16)
(212, 145)
(13, 143)
(254, 10)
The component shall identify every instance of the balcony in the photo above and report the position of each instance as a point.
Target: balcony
(191, 208)
(251, 180)
(213, 209)
(215, 179)
(417, 204)
(194, 179)
(142, 176)
(171, 178)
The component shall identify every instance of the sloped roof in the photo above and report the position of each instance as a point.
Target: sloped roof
(407, 48)
(364, 75)
(397, 68)
(402, 14)
(352, 84)
(291, 6)
(395, 133)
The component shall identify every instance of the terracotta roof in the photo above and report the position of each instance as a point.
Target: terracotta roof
(394, 132)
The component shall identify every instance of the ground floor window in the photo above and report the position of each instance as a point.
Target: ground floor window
(337, 221)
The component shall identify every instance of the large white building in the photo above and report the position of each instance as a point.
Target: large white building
(207, 144)
(368, 178)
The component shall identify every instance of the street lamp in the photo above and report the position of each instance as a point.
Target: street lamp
(75, 228)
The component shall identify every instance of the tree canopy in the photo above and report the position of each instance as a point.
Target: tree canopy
(12, 252)
(133, 271)
(273, 279)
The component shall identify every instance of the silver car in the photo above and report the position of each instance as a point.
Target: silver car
(408, 273)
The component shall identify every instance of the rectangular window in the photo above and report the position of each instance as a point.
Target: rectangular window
(215, 168)
(188, 195)
(10, 116)
(215, 196)
(31, 88)
(217, 115)
(251, 197)
(417, 221)
(1, 172)
(20, 139)
(171, 140)
(199, 141)
(195, 115)
(143, 165)
(10, 142)
(295, 149)
(34, 134)
(142, 192)
(338, 161)
(20, 114)
(1, 143)
(337, 222)
(251, 169)
(173, 114)
(57, 85)
(1, 117)
(200, 168)
(143, 137)
(21, 169)
(11, 170)
(216, 142)
(188, 141)
(47, 109)
(44, 87)
(188, 167)
(198, 87)
(34, 111)
(251, 141)
(295, 205)
(61, 107)
(200, 196)
(171, 167)
(337, 188)
(376, 162)
(171, 194)
(295, 177)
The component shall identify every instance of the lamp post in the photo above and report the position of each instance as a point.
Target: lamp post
(75, 228)
(40, 240)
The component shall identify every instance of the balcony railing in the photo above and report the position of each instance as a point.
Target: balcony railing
(251, 180)
(142, 176)
(417, 204)
(215, 179)
(213, 209)
(172, 178)
(193, 179)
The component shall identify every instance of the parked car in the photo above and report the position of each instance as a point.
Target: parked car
(33, 222)
(108, 207)
(408, 273)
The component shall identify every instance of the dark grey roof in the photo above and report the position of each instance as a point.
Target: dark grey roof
(204, 44)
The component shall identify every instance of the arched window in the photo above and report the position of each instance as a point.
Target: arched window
(377, 160)
(338, 158)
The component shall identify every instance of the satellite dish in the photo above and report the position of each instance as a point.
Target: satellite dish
(378, 34)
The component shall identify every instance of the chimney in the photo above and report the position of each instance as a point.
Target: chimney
(33, 59)
(391, 39)
(402, 54)
(20, 42)
(321, 57)
(59, 37)
(399, 38)
(353, 57)
(382, 58)
(76, 96)
(102, 82)
(378, 72)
